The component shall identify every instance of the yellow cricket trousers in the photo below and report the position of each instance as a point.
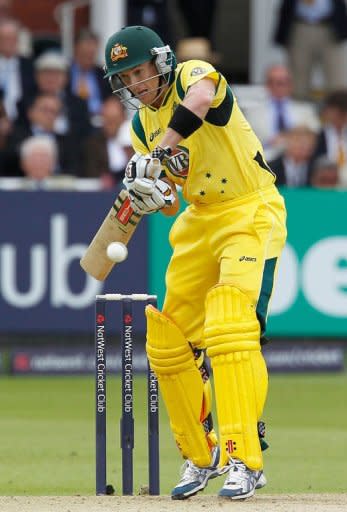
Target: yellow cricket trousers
(235, 242)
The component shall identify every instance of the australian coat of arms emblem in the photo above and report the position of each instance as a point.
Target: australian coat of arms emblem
(118, 51)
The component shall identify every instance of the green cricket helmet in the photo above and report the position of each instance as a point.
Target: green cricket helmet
(132, 46)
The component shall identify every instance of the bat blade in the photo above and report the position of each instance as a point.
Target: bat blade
(118, 226)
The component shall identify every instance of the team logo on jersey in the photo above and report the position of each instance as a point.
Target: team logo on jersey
(247, 258)
(198, 71)
(118, 51)
(154, 134)
(178, 163)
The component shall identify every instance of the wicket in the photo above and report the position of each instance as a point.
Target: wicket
(127, 419)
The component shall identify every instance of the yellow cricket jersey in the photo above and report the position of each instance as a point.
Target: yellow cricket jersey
(220, 161)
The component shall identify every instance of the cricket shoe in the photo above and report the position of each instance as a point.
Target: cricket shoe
(195, 479)
(241, 482)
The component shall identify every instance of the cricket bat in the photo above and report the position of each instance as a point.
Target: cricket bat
(119, 226)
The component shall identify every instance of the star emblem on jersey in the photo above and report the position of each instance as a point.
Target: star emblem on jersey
(118, 51)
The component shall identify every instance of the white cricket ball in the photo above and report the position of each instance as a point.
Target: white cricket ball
(117, 252)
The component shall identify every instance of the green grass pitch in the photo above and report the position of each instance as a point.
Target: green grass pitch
(47, 436)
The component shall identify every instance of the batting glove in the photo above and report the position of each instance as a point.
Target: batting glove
(142, 166)
(148, 196)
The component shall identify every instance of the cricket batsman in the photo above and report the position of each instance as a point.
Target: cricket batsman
(188, 131)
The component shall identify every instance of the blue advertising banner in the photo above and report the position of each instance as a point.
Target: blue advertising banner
(43, 289)
(43, 235)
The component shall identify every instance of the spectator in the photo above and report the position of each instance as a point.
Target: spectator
(86, 77)
(52, 74)
(195, 48)
(108, 150)
(292, 168)
(325, 173)
(313, 31)
(16, 72)
(151, 13)
(332, 139)
(24, 35)
(199, 17)
(38, 159)
(42, 115)
(271, 118)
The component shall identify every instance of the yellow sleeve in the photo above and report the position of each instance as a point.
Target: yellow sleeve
(194, 70)
(138, 135)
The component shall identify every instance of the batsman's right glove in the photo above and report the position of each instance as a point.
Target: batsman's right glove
(148, 196)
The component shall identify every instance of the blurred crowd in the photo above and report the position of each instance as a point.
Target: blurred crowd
(59, 119)
(305, 134)
(305, 142)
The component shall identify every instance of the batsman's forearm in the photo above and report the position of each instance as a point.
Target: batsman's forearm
(196, 104)
(183, 123)
(170, 139)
